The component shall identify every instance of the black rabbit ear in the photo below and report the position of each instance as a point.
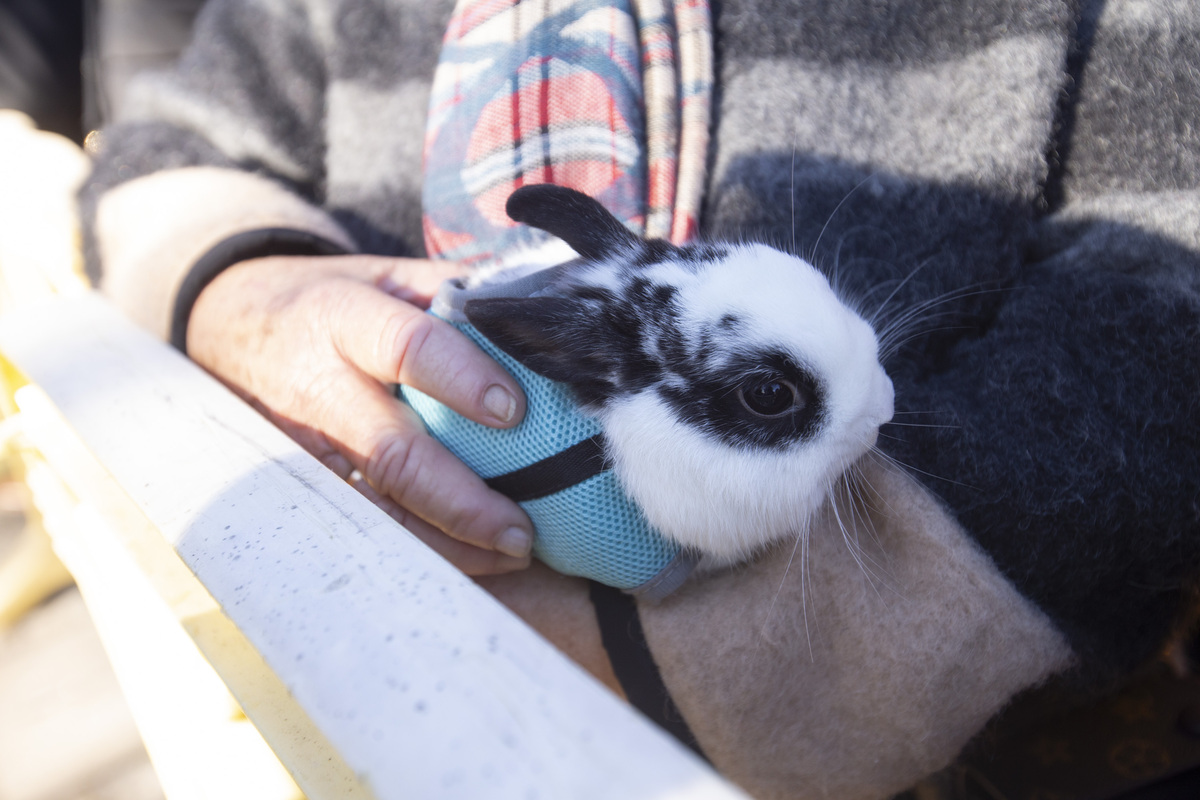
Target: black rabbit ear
(556, 337)
(580, 221)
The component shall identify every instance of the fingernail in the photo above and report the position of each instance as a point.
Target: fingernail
(500, 403)
(514, 542)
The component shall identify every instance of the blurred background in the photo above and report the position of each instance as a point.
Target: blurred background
(67, 63)
(65, 730)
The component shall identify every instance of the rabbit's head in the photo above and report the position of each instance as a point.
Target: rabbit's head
(733, 386)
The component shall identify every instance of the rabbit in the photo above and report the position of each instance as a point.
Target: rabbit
(732, 385)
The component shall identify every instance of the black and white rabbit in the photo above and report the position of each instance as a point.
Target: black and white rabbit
(733, 387)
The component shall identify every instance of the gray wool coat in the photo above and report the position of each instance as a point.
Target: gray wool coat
(1012, 186)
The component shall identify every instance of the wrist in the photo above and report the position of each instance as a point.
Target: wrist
(150, 233)
(243, 246)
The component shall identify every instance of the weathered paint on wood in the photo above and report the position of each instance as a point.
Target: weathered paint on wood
(425, 685)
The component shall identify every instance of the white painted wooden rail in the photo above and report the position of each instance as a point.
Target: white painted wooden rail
(375, 657)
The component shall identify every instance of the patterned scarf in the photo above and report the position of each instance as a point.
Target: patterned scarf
(610, 97)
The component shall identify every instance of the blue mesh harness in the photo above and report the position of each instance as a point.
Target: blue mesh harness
(553, 465)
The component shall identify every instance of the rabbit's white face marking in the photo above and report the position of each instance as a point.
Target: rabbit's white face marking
(767, 388)
(733, 387)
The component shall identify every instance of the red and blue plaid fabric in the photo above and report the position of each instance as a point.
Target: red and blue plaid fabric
(609, 97)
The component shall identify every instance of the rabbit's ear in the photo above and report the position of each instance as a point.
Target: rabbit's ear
(580, 221)
(557, 337)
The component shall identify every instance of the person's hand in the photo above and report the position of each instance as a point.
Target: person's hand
(313, 342)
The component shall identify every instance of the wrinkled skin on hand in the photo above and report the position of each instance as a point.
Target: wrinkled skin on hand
(314, 342)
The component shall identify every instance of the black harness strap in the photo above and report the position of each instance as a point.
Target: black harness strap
(560, 471)
(623, 638)
(616, 612)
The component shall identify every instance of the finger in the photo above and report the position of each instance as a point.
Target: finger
(417, 280)
(336, 463)
(471, 560)
(316, 443)
(387, 443)
(396, 342)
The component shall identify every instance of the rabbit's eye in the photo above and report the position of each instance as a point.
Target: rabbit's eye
(752, 399)
(773, 397)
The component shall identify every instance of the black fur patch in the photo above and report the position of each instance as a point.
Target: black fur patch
(556, 337)
(626, 324)
(697, 378)
(701, 254)
(606, 344)
(696, 256)
(707, 399)
(653, 251)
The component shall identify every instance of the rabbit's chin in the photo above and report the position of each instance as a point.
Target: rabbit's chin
(725, 503)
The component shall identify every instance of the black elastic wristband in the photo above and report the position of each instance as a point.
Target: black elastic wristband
(241, 247)
(632, 662)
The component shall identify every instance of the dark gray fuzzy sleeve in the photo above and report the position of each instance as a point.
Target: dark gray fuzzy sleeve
(241, 121)
(248, 92)
(1010, 189)
(1072, 442)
